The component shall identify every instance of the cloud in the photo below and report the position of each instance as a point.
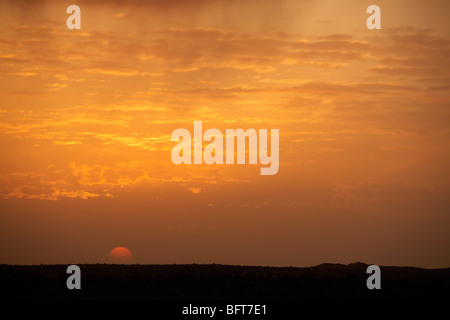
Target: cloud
(390, 196)
(412, 52)
(117, 89)
(195, 190)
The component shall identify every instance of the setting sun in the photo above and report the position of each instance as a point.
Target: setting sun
(120, 255)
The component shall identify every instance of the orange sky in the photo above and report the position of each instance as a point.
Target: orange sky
(86, 118)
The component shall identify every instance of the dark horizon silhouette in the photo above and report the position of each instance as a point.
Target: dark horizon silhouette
(219, 282)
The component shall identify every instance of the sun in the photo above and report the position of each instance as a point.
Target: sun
(120, 255)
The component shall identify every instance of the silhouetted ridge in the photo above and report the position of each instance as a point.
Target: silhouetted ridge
(337, 266)
(196, 281)
(358, 265)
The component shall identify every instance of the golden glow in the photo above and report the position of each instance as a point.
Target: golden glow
(86, 118)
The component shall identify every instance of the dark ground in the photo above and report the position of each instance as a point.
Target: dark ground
(220, 282)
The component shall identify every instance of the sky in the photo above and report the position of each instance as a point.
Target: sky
(86, 118)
